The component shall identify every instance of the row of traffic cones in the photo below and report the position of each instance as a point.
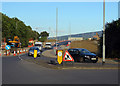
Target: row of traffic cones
(19, 51)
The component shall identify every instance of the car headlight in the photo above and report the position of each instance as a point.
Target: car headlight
(30, 52)
(38, 52)
(87, 57)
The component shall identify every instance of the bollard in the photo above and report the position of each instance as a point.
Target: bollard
(14, 53)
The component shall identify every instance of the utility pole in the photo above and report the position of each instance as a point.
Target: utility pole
(103, 61)
(56, 25)
(70, 30)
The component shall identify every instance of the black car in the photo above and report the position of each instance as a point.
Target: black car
(82, 55)
(31, 51)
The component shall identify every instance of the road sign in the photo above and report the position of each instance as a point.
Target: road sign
(7, 47)
(67, 57)
(59, 56)
(35, 54)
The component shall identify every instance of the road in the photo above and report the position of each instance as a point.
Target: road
(16, 71)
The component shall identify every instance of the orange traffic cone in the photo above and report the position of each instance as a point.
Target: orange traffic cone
(14, 53)
(9, 52)
(20, 51)
(23, 50)
(5, 53)
(0, 53)
(17, 52)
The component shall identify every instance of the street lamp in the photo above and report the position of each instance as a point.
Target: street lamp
(56, 25)
(103, 61)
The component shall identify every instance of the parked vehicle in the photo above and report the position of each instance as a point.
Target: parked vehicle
(39, 45)
(82, 55)
(48, 45)
(31, 51)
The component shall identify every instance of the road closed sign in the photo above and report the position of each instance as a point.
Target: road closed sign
(59, 56)
(35, 54)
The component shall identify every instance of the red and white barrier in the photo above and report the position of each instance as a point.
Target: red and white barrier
(7, 52)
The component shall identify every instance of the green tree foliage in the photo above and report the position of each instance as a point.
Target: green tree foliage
(112, 40)
(14, 27)
(43, 36)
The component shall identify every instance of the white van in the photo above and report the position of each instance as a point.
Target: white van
(39, 45)
(48, 45)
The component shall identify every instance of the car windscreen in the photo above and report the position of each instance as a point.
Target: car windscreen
(84, 51)
(48, 44)
(38, 45)
(34, 48)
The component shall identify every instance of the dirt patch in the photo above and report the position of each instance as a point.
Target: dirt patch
(92, 46)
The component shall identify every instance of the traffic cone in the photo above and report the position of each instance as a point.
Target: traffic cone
(23, 50)
(14, 53)
(17, 52)
(20, 51)
(0, 52)
(7, 52)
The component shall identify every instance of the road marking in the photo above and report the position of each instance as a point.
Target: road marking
(19, 57)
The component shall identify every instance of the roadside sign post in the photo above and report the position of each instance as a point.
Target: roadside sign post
(59, 56)
(35, 54)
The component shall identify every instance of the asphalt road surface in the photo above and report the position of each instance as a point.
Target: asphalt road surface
(17, 71)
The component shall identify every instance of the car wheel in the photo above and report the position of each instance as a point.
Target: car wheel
(81, 59)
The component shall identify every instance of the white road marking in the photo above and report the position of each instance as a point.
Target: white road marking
(19, 57)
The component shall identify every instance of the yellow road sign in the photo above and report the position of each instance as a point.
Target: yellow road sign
(59, 56)
(35, 53)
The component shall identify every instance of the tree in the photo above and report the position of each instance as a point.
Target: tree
(112, 39)
(43, 36)
(14, 27)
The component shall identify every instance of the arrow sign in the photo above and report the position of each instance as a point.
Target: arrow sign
(7, 47)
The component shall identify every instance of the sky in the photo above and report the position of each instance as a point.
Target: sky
(81, 17)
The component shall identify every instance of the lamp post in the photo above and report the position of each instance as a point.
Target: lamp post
(103, 61)
(56, 25)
